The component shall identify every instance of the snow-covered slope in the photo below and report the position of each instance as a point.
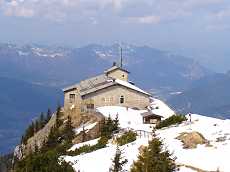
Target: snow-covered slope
(101, 160)
(209, 158)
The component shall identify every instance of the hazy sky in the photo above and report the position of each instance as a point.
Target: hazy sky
(197, 28)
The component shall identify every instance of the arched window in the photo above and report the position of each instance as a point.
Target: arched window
(122, 99)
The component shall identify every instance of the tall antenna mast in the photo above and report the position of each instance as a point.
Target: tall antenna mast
(121, 59)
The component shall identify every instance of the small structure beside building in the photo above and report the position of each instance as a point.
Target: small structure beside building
(150, 118)
(112, 88)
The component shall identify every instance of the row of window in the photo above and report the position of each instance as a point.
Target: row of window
(106, 100)
(110, 99)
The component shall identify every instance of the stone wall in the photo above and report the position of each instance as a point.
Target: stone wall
(76, 104)
(111, 97)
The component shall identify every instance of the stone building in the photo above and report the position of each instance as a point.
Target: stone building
(111, 88)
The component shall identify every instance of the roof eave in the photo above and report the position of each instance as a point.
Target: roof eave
(118, 68)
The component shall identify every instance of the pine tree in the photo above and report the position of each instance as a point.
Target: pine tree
(37, 126)
(48, 115)
(110, 126)
(153, 158)
(116, 123)
(68, 130)
(41, 121)
(31, 130)
(52, 140)
(23, 140)
(58, 117)
(118, 161)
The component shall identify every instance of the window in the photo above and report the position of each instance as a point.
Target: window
(90, 106)
(122, 99)
(107, 100)
(71, 98)
(123, 76)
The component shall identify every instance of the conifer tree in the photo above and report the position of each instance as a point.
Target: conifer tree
(68, 130)
(58, 117)
(110, 126)
(52, 140)
(103, 127)
(48, 115)
(23, 140)
(31, 130)
(116, 123)
(37, 126)
(118, 161)
(41, 121)
(152, 158)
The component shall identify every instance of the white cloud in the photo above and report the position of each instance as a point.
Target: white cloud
(222, 14)
(14, 8)
(138, 11)
(145, 19)
(200, 3)
(19, 11)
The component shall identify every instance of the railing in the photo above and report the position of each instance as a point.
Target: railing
(140, 133)
(144, 134)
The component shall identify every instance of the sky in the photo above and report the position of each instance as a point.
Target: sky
(195, 28)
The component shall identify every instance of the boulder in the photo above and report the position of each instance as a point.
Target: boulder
(192, 139)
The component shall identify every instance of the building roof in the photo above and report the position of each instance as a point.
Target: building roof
(150, 113)
(115, 68)
(88, 83)
(100, 82)
(131, 86)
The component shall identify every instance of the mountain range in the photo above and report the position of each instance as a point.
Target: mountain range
(31, 78)
(208, 96)
(58, 66)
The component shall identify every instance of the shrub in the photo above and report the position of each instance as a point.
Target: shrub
(126, 138)
(102, 142)
(87, 148)
(175, 119)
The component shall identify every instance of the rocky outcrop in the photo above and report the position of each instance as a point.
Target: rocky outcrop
(192, 139)
(77, 120)
(37, 140)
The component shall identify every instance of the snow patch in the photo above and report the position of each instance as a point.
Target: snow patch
(90, 143)
(128, 118)
(87, 127)
(158, 107)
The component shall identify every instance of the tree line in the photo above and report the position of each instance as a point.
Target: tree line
(36, 125)
(47, 158)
